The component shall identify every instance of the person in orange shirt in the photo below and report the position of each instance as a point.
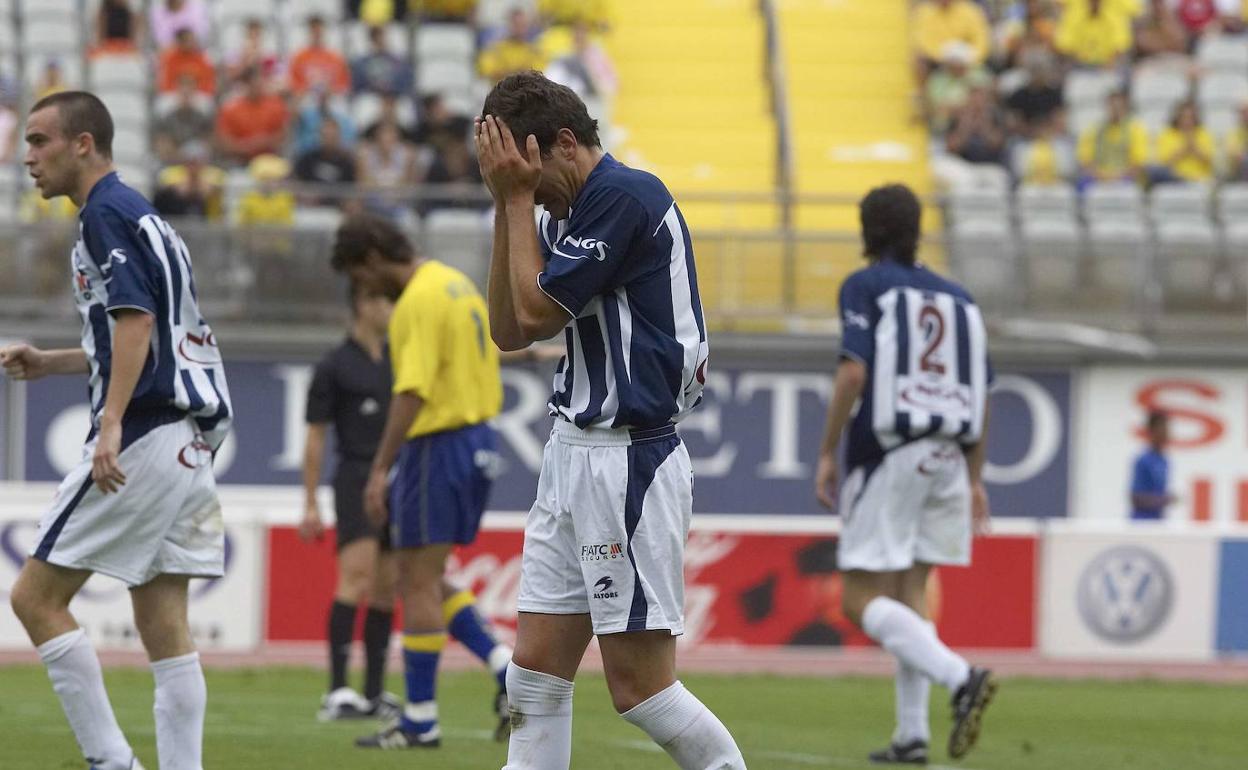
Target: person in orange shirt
(185, 58)
(252, 123)
(318, 65)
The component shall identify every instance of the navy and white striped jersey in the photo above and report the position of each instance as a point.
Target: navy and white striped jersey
(622, 266)
(922, 340)
(128, 257)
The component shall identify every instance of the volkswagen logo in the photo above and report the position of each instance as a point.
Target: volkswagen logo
(1125, 594)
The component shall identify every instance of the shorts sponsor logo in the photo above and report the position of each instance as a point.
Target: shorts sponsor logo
(1125, 594)
(195, 454)
(603, 588)
(602, 552)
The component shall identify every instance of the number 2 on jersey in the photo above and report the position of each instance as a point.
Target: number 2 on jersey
(933, 325)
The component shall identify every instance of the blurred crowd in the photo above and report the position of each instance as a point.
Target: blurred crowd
(1085, 91)
(313, 126)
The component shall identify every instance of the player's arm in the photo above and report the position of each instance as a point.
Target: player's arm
(27, 362)
(513, 176)
(851, 378)
(313, 456)
(976, 455)
(404, 407)
(132, 339)
(504, 328)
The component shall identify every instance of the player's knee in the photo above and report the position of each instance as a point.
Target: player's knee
(355, 586)
(25, 603)
(532, 693)
(852, 605)
(629, 691)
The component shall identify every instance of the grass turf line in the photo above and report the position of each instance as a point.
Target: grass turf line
(265, 719)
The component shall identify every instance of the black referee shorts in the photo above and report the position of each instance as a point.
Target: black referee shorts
(352, 523)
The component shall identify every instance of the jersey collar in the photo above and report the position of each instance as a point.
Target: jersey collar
(604, 164)
(108, 180)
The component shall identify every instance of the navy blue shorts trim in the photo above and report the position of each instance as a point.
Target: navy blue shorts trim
(441, 486)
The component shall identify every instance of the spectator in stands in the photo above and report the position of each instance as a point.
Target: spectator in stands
(187, 122)
(1185, 150)
(1031, 26)
(1159, 31)
(253, 123)
(384, 166)
(169, 16)
(587, 70)
(937, 23)
(1047, 158)
(117, 28)
(9, 125)
(1197, 16)
(454, 165)
(192, 187)
(977, 133)
(439, 127)
(52, 80)
(310, 119)
(455, 11)
(593, 14)
(517, 52)
(186, 59)
(252, 53)
(317, 64)
(328, 163)
(1117, 149)
(948, 86)
(379, 71)
(1237, 148)
(378, 12)
(1150, 474)
(390, 117)
(268, 203)
(1094, 33)
(1037, 100)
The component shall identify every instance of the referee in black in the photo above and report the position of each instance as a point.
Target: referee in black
(351, 391)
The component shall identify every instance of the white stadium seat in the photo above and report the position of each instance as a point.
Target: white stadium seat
(1052, 246)
(444, 76)
(1223, 52)
(119, 71)
(1169, 202)
(1187, 253)
(445, 41)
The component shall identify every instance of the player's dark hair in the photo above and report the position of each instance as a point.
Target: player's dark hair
(890, 223)
(360, 234)
(1157, 418)
(531, 103)
(82, 113)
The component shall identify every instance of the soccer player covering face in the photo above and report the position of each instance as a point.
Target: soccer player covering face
(608, 264)
(142, 505)
(914, 359)
(438, 441)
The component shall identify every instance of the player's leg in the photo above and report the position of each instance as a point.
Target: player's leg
(424, 637)
(944, 537)
(378, 627)
(160, 614)
(912, 733)
(357, 567)
(641, 673)
(549, 648)
(40, 600)
(465, 624)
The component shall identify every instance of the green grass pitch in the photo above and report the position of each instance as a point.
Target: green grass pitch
(264, 718)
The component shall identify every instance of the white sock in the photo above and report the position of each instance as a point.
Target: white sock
(181, 698)
(913, 690)
(76, 677)
(687, 730)
(541, 720)
(907, 636)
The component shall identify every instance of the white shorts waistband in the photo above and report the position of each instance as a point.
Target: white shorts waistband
(568, 433)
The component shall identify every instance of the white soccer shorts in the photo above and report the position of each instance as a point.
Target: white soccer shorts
(606, 534)
(915, 506)
(166, 519)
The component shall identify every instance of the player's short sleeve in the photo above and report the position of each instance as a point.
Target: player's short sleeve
(322, 393)
(857, 307)
(125, 260)
(416, 342)
(599, 238)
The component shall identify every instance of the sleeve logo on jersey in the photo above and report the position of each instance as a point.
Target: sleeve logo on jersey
(592, 246)
(200, 348)
(116, 255)
(856, 319)
(602, 552)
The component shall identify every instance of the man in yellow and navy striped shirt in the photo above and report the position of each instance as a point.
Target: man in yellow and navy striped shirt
(443, 452)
